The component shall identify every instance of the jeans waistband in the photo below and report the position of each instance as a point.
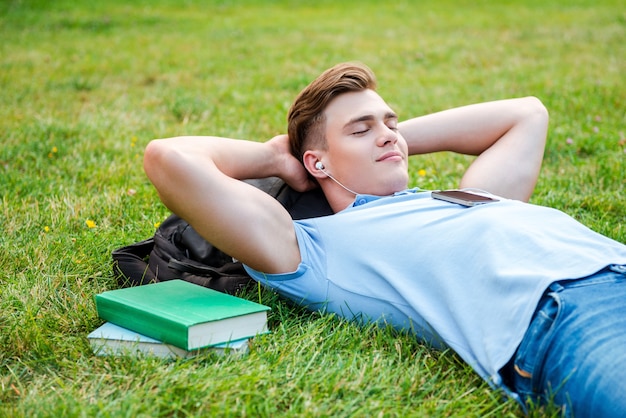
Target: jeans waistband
(601, 276)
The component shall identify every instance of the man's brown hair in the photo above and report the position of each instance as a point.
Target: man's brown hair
(306, 121)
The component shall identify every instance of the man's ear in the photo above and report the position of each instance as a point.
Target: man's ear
(310, 159)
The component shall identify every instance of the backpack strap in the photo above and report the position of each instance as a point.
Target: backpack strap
(129, 264)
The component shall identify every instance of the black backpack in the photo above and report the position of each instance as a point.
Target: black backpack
(177, 251)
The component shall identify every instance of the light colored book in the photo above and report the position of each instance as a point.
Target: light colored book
(183, 314)
(111, 339)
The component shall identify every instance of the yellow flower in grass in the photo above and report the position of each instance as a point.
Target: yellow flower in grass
(90, 223)
(421, 172)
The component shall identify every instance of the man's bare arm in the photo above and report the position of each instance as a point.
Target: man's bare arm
(198, 179)
(508, 136)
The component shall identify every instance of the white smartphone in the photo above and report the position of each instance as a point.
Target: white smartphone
(462, 198)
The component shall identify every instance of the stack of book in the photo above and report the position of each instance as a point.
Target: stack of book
(175, 319)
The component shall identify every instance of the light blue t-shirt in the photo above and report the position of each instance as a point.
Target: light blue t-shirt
(466, 278)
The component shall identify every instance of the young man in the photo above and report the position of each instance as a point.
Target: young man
(534, 301)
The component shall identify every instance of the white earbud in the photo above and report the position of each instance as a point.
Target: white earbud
(320, 166)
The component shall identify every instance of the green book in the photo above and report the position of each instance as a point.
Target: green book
(183, 314)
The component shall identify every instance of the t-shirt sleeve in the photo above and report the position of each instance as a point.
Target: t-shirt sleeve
(307, 285)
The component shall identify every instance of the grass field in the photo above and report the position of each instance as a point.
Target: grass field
(85, 85)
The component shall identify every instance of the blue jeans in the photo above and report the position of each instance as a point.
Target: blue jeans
(574, 352)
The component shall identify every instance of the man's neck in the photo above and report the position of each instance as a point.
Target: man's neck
(338, 198)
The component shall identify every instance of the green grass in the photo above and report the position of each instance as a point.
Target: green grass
(85, 85)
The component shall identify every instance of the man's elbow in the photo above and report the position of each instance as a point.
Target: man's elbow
(157, 164)
(537, 110)
(153, 157)
(535, 120)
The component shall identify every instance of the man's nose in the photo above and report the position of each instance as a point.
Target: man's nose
(387, 135)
